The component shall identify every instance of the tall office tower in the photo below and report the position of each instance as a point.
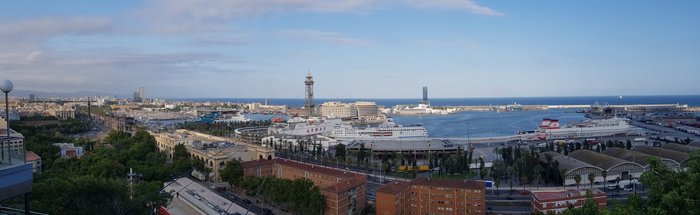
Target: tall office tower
(32, 97)
(142, 94)
(309, 102)
(137, 97)
(425, 95)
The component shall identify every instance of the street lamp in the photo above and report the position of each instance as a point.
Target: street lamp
(6, 86)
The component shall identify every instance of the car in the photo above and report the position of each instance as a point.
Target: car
(212, 186)
(247, 201)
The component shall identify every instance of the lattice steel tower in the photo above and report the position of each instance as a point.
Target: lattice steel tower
(309, 103)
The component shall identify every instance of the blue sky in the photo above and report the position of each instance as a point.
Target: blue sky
(354, 48)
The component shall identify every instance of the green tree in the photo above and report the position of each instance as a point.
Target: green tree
(340, 151)
(673, 192)
(538, 174)
(232, 172)
(577, 178)
(591, 179)
(604, 173)
(482, 168)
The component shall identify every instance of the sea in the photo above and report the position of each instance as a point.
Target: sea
(483, 123)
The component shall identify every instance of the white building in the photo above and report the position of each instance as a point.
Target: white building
(367, 109)
(16, 140)
(69, 150)
(338, 110)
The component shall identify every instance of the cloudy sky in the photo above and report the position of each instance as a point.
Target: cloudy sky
(354, 48)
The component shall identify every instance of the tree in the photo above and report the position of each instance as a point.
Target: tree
(340, 151)
(672, 192)
(577, 178)
(604, 173)
(538, 174)
(591, 179)
(590, 207)
(628, 145)
(181, 161)
(482, 168)
(232, 172)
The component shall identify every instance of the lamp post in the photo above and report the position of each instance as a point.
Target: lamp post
(6, 86)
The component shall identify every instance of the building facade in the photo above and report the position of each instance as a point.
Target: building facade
(432, 196)
(69, 150)
(166, 142)
(214, 151)
(35, 160)
(345, 192)
(337, 110)
(558, 201)
(367, 109)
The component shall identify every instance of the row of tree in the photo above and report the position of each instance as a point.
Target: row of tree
(300, 196)
(97, 183)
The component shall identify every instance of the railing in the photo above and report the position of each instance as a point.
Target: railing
(15, 211)
(11, 154)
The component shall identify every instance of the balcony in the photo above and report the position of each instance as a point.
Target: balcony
(15, 174)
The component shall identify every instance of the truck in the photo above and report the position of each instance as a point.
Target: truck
(198, 175)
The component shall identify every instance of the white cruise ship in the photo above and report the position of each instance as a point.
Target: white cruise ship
(305, 127)
(550, 128)
(388, 130)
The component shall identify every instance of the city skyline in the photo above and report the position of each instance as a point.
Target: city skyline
(354, 49)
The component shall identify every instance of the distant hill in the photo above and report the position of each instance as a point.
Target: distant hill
(40, 94)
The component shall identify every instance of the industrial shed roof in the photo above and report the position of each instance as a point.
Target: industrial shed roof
(600, 160)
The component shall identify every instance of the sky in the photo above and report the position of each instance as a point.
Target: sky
(353, 48)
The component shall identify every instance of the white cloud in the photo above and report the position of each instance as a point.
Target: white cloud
(223, 10)
(41, 28)
(467, 5)
(324, 36)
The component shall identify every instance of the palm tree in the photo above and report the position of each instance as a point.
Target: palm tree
(577, 178)
(591, 179)
(538, 174)
(510, 171)
(605, 178)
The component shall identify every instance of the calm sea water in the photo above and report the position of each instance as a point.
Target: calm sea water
(693, 100)
(482, 124)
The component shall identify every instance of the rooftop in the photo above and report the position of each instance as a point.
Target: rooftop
(680, 147)
(568, 163)
(600, 160)
(629, 155)
(318, 169)
(449, 183)
(679, 157)
(394, 187)
(558, 194)
(31, 156)
(404, 145)
(695, 144)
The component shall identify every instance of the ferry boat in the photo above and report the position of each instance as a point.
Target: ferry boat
(551, 129)
(387, 130)
(304, 127)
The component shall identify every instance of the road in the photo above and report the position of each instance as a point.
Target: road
(664, 131)
(208, 201)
